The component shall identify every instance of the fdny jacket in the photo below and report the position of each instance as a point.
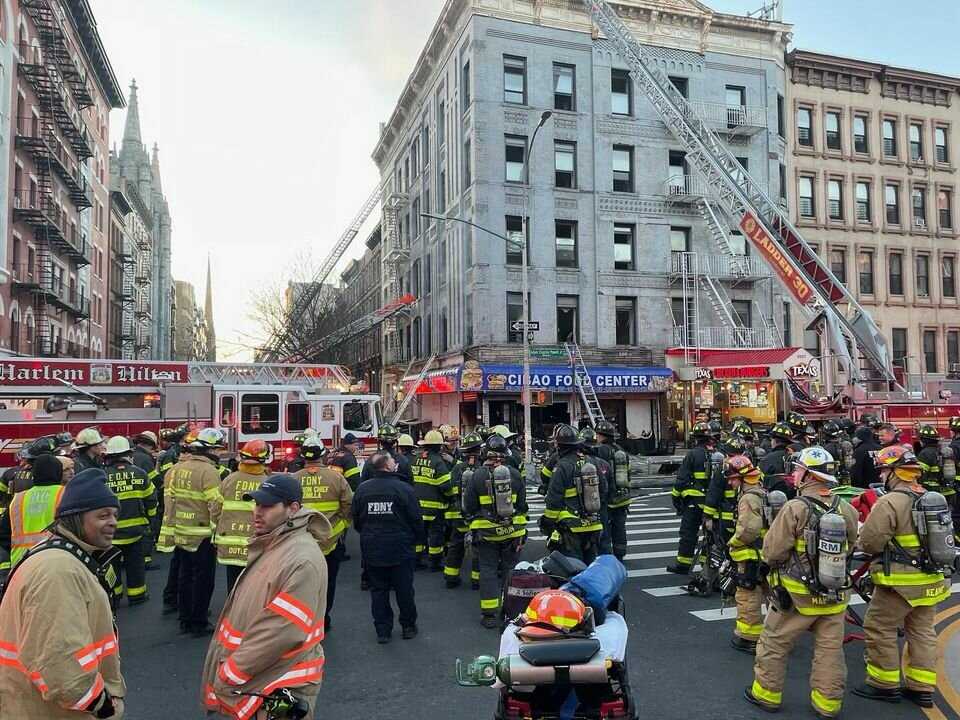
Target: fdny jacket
(431, 479)
(138, 500)
(387, 516)
(454, 512)
(563, 506)
(749, 533)
(479, 505)
(693, 477)
(235, 516)
(773, 466)
(327, 491)
(617, 497)
(269, 633)
(192, 503)
(347, 462)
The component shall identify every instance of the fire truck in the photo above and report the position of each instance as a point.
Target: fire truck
(271, 402)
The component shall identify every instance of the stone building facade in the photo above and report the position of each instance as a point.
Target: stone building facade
(359, 296)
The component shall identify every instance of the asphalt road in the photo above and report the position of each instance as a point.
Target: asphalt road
(681, 663)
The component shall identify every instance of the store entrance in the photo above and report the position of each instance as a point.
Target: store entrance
(542, 419)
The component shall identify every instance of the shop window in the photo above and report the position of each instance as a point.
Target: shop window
(298, 417)
(356, 416)
(260, 413)
(228, 411)
(568, 318)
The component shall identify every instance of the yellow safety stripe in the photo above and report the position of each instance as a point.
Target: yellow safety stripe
(453, 515)
(323, 505)
(232, 540)
(825, 704)
(132, 522)
(570, 492)
(192, 531)
(546, 472)
(768, 696)
(351, 472)
(135, 494)
(912, 579)
(490, 604)
(433, 504)
(127, 541)
(699, 475)
(684, 560)
(692, 492)
(236, 562)
(747, 629)
(908, 541)
(794, 586)
(927, 677)
(212, 493)
(891, 677)
(551, 514)
(451, 571)
(433, 482)
(726, 516)
(674, 492)
(338, 527)
(238, 505)
(710, 511)
(744, 555)
(187, 494)
(730, 494)
(151, 512)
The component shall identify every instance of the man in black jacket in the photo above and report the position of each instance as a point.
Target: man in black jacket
(688, 495)
(864, 471)
(773, 464)
(386, 513)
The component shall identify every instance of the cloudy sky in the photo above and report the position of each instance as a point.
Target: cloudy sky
(266, 120)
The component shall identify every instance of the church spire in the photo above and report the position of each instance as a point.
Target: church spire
(208, 317)
(131, 131)
(155, 166)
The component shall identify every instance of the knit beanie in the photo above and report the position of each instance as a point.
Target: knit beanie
(87, 491)
(47, 470)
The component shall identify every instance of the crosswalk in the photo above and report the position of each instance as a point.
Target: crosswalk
(653, 524)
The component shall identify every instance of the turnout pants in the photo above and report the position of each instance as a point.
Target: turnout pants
(383, 579)
(828, 673)
(618, 530)
(749, 616)
(434, 526)
(689, 531)
(456, 552)
(334, 558)
(131, 562)
(494, 557)
(171, 591)
(887, 612)
(195, 584)
(583, 545)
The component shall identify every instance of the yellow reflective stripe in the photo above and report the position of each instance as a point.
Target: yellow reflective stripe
(433, 482)
(194, 531)
(699, 475)
(452, 515)
(546, 472)
(238, 505)
(187, 494)
(443, 478)
(747, 629)
(692, 492)
(800, 545)
(684, 560)
(744, 555)
(674, 492)
(927, 677)
(127, 541)
(433, 504)
(908, 578)
(794, 586)
(338, 527)
(551, 514)
(323, 505)
(490, 604)
(908, 541)
(726, 516)
(891, 677)
(132, 522)
(451, 571)
(570, 492)
(824, 703)
(834, 609)
(729, 493)
(351, 472)
(151, 512)
(232, 540)
(135, 494)
(931, 596)
(211, 493)
(709, 511)
(486, 500)
(768, 696)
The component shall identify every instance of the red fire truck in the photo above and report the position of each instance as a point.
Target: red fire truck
(248, 401)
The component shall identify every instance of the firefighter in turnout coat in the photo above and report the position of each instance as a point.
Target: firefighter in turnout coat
(431, 480)
(907, 589)
(804, 603)
(689, 494)
(471, 448)
(495, 503)
(269, 633)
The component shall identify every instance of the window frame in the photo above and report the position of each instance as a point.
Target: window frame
(892, 141)
(896, 333)
(891, 289)
(948, 260)
(571, 148)
(631, 229)
(864, 138)
(952, 346)
(915, 146)
(629, 304)
(621, 74)
(259, 400)
(870, 254)
(508, 233)
(858, 201)
(631, 184)
(945, 214)
(921, 260)
(930, 356)
(573, 86)
(918, 211)
(573, 225)
(841, 254)
(945, 129)
(834, 182)
(513, 141)
(809, 145)
(832, 135)
(288, 425)
(812, 197)
(896, 187)
(563, 301)
(515, 66)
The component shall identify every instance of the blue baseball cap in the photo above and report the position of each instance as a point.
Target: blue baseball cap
(278, 488)
(350, 439)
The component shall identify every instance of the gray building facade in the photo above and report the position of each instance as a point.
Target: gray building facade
(612, 207)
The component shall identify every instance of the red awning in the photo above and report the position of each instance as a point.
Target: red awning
(735, 358)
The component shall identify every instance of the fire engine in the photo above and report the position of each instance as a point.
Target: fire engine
(271, 402)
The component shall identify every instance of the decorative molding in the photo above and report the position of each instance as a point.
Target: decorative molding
(564, 123)
(734, 69)
(535, 40)
(513, 199)
(636, 205)
(516, 117)
(631, 279)
(565, 203)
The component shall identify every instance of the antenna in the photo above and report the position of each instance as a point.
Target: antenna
(770, 11)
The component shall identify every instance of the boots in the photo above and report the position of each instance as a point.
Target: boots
(890, 695)
(452, 582)
(489, 622)
(750, 698)
(743, 645)
(923, 698)
(678, 568)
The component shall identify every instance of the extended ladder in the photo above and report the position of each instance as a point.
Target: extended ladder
(581, 378)
(328, 377)
(412, 392)
(740, 196)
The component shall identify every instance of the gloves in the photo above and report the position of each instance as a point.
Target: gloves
(546, 525)
(762, 569)
(678, 504)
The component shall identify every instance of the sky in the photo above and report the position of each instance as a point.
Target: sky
(266, 121)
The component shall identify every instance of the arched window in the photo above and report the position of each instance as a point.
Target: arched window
(15, 330)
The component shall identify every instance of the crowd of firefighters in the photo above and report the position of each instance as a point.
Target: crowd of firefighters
(780, 521)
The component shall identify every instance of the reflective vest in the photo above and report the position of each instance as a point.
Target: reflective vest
(138, 501)
(327, 491)
(235, 524)
(31, 513)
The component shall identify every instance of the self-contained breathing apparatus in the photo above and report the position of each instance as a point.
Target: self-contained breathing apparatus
(587, 482)
(730, 577)
(500, 489)
(934, 522)
(621, 473)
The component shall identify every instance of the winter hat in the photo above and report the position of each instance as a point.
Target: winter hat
(47, 470)
(87, 491)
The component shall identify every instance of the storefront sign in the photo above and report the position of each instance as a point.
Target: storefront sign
(509, 378)
(810, 371)
(86, 373)
(703, 374)
(766, 245)
(439, 381)
(734, 373)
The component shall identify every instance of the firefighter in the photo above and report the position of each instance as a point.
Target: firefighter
(773, 463)
(451, 443)
(908, 586)
(495, 504)
(192, 487)
(744, 549)
(471, 447)
(145, 452)
(405, 446)
(138, 508)
(298, 462)
(483, 431)
(715, 428)
(929, 460)
(811, 594)
(20, 478)
(798, 427)
(387, 438)
(589, 448)
(546, 470)
(720, 503)
(235, 521)
(431, 480)
(688, 493)
(514, 454)
(327, 491)
(345, 458)
(888, 434)
(88, 447)
(618, 484)
(864, 472)
(19, 529)
(170, 441)
(571, 518)
(742, 429)
(831, 437)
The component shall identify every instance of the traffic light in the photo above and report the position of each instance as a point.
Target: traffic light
(541, 398)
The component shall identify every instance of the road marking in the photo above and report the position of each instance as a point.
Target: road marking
(651, 531)
(944, 686)
(654, 572)
(650, 555)
(666, 591)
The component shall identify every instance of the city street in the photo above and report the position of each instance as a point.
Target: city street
(681, 663)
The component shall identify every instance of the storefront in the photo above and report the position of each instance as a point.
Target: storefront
(729, 384)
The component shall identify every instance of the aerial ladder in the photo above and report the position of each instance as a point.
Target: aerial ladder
(740, 196)
(581, 378)
(412, 393)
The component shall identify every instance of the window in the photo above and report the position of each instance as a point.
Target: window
(514, 80)
(514, 231)
(621, 92)
(896, 273)
(681, 84)
(744, 163)
(565, 164)
(427, 274)
(568, 319)
(787, 325)
(838, 264)
(781, 126)
(514, 313)
(467, 164)
(566, 243)
(683, 319)
(356, 416)
(679, 239)
(626, 320)
(832, 125)
(736, 97)
(465, 88)
(416, 337)
(516, 151)
(804, 127)
(228, 411)
(898, 337)
(443, 342)
(442, 262)
(807, 206)
(953, 349)
(427, 336)
(865, 271)
(835, 197)
(890, 138)
(415, 218)
(623, 247)
(298, 417)
(891, 198)
(945, 209)
(860, 142)
(415, 278)
(783, 184)
(622, 168)
(441, 120)
(940, 140)
(441, 189)
(916, 142)
(742, 313)
(564, 87)
(863, 202)
(948, 275)
(930, 350)
(918, 199)
(923, 275)
(425, 139)
(260, 413)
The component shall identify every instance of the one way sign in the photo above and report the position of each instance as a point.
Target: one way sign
(518, 326)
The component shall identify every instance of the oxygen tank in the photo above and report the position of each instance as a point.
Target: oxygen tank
(935, 528)
(621, 464)
(831, 551)
(589, 489)
(776, 499)
(948, 463)
(846, 450)
(465, 479)
(503, 492)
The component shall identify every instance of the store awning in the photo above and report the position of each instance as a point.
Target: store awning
(558, 378)
(444, 380)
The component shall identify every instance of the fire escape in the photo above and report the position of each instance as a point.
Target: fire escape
(62, 92)
(128, 297)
